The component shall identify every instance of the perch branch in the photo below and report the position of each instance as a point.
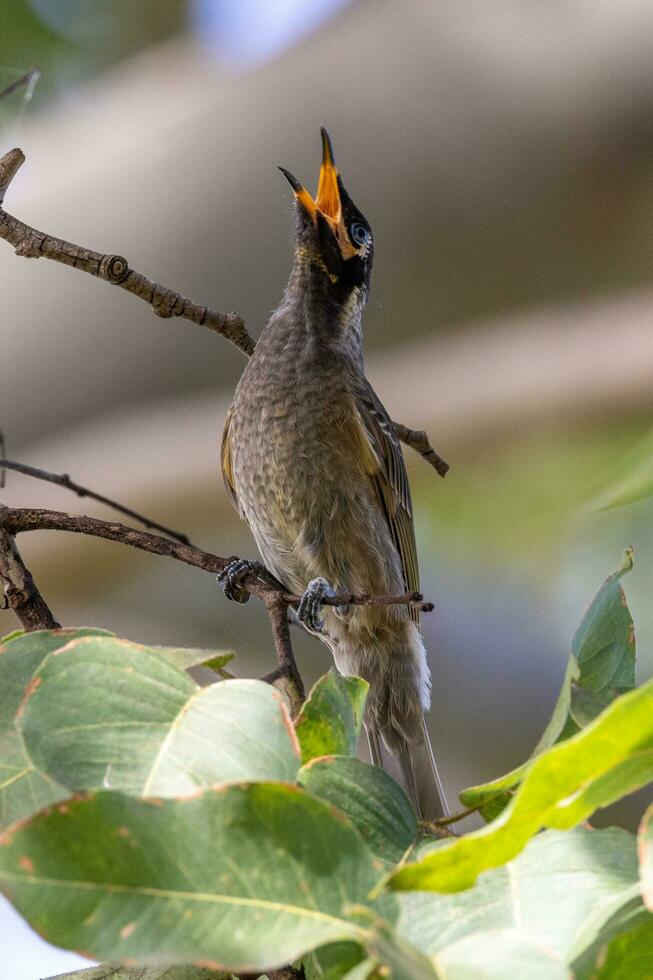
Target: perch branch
(19, 589)
(19, 519)
(24, 598)
(114, 269)
(63, 480)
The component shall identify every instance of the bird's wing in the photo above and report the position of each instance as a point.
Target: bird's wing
(225, 461)
(388, 473)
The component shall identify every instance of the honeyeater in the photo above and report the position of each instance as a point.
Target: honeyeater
(312, 463)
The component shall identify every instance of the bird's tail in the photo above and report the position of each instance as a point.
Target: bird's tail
(413, 766)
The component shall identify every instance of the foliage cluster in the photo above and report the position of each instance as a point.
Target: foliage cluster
(195, 830)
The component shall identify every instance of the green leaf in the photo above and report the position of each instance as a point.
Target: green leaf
(560, 890)
(109, 713)
(218, 662)
(371, 799)
(562, 787)
(497, 955)
(333, 961)
(629, 956)
(241, 877)
(330, 720)
(187, 657)
(11, 636)
(601, 666)
(404, 961)
(361, 971)
(24, 790)
(21, 658)
(611, 920)
(645, 844)
(604, 644)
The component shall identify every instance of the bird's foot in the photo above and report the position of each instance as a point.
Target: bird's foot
(308, 611)
(231, 577)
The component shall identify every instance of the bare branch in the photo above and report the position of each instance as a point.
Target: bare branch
(113, 269)
(63, 480)
(418, 440)
(19, 589)
(19, 519)
(286, 677)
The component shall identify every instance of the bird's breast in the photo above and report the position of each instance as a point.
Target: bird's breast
(290, 438)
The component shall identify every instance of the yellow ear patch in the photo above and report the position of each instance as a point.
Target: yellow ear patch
(312, 256)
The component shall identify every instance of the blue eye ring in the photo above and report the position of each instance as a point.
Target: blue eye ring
(359, 234)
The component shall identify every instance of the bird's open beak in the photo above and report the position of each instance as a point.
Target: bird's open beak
(327, 199)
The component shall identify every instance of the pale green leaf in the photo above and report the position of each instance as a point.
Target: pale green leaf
(113, 714)
(561, 890)
(241, 877)
(24, 790)
(497, 955)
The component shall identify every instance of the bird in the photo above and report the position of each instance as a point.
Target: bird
(311, 461)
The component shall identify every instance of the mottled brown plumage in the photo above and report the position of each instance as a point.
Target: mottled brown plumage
(312, 463)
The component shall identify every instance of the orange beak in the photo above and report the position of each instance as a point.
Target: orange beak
(327, 199)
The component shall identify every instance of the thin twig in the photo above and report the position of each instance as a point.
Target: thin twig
(286, 677)
(63, 480)
(2, 460)
(23, 80)
(418, 440)
(454, 818)
(19, 589)
(165, 302)
(112, 268)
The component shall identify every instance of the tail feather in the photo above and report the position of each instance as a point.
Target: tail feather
(412, 765)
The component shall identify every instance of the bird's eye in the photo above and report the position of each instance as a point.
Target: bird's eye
(359, 234)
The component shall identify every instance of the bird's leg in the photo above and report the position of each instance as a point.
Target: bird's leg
(308, 611)
(233, 574)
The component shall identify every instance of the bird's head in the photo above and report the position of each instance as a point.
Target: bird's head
(334, 240)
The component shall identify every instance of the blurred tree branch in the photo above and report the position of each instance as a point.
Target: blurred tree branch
(114, 269)
(32, 73)
(63, 480)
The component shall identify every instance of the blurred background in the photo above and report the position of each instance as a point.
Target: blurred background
(503, 152)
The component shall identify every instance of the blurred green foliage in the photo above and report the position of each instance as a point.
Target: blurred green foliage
(70, 40)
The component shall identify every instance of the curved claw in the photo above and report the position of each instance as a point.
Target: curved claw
(308, 611)
(232, 575)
